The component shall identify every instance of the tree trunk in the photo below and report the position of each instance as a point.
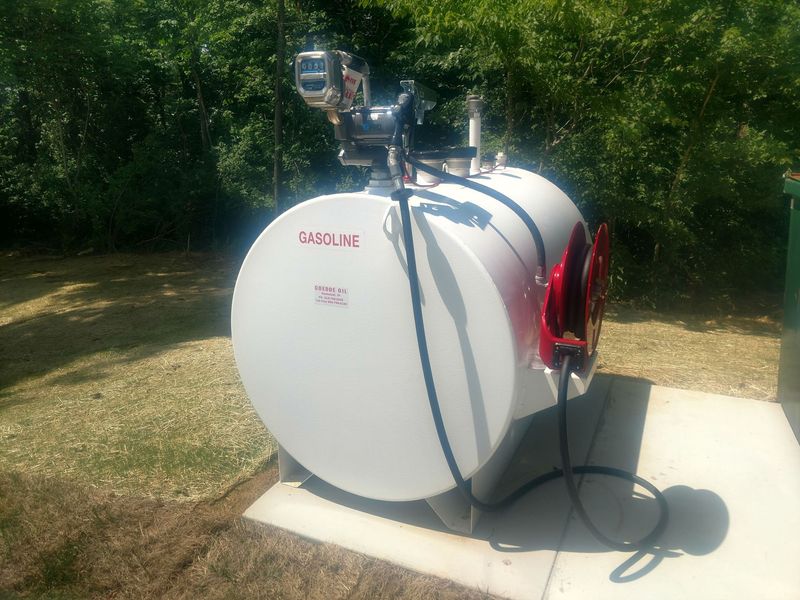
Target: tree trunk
(509, 107)
(694, 132)
(692, 138)
(205, 134)
(277, 162)
(28, 139)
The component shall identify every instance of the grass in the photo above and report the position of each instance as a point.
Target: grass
(118, 372)
(730, 354)
(128, 449)
(61, 540)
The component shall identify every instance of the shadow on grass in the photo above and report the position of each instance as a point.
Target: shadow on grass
(55, 311)
(762, 318)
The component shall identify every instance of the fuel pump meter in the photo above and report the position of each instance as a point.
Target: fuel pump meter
(330, 79)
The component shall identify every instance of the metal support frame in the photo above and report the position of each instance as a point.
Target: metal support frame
(540, 392)
(453, 509)
(292, 473)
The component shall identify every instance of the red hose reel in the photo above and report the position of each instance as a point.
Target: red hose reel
(575, 300)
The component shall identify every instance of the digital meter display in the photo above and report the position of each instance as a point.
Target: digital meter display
(312, 65)
(314, 85)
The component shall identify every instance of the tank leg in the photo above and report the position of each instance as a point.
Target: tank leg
(454, 511)
(451, 507)
(292, 473)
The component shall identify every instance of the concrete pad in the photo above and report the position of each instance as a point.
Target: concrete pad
(730, 469)
(510, 554)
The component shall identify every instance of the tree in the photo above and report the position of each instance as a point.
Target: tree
(169, 123)
(672, 121)
(279, 70)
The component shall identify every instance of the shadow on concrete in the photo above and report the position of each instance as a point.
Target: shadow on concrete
(611, 417)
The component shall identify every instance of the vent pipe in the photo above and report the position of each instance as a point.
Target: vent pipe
(475, 106)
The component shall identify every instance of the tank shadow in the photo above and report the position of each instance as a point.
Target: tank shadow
(543, 519)
(450, 293)
(55, 312)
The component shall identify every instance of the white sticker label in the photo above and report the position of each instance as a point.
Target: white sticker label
(352, 79)
(331, 295)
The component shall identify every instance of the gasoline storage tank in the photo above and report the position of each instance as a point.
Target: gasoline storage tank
(323, 326)
(324, 336)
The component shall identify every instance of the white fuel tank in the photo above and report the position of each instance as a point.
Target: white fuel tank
(324, 337)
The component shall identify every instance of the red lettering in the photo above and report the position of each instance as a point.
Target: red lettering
(338, 240)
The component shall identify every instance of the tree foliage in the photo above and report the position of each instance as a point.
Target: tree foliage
(149, 123)
(673, 121)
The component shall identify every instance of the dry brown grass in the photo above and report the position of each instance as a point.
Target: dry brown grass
(128, 450)
(728, 354)
(62, 540)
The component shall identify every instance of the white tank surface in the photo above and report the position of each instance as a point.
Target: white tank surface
(324, 336)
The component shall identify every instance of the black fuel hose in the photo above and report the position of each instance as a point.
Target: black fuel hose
(567, 471)
(541, 256)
